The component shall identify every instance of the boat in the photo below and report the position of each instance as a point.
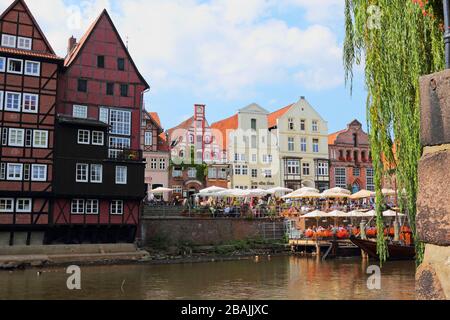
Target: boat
(396, 251)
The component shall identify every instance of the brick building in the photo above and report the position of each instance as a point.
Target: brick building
(28, 90)
(350, 157)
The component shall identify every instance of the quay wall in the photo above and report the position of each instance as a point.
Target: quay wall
(433, 219)
(175, 231)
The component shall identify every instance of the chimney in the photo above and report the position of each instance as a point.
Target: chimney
(72, 44)
(302, 98)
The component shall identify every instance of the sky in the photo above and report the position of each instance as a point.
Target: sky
(226, 54)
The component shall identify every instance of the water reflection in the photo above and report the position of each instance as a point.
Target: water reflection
(276, 278)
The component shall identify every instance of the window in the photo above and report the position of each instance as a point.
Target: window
(153, 164)
(322, 169)
(303, 125)
(16, 137)
(212, 173)
(14, 172)
(124, 90)
(120, 122)
(13, 101)
(40, 139)
(237, 170)
(92, 207)
(117, 207)
(100, 62)
(316, 145)
(84, 137)
(192, 172)
(77, 206)
(370, 179)
(80, 112)
(356, 172)
(24, 43)
(110, 89)
(148, 138)
(5, 137)
(2, 171)
(254, 142)
(39, 172)
(104, 115)
(6, 205)
(177, 189)
(293, 167)
(119, 143)
(9, 41)
(162, 164)
(82, 85)
(245, 170)
(121, 64)
(30, 103)
(2, 64)
(82, 173)
(222, 173)
(15, 66)
(355, 140)
(306, 169)
(341, 177)
(26, 172)
(253, 124)
(291, 125)
(24, 205)
(255, 173)
(32, 68)
(267, 174)
(121, 175)
(303, 145)
(315, 126)
(177, 172)
(98, 138)
(1, 100)
(291, 144)
(96, 173)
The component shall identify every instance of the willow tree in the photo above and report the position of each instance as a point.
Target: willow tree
(397, 41)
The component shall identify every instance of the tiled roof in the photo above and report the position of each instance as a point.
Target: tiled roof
(332, 137)
(29, 53)
(155, 117)
(274, 116)
(184, 125)
(231, 123)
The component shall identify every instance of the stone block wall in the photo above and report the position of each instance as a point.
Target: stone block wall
(433, 219)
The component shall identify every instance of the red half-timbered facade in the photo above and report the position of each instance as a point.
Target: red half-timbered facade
(99, 167)
(28, 91)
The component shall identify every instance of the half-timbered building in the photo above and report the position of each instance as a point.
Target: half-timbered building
(99, 166)
(28, 90)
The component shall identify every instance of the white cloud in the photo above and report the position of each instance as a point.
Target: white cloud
(320, 11)
(220, 48)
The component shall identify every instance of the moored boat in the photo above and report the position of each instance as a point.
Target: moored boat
(396, 251)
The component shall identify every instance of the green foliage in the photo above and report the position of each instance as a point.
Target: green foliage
(398, 46)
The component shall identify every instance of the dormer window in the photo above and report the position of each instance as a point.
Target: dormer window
(24, 43)
(9, 41)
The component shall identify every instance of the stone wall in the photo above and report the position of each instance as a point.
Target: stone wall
(433, 220)
(173, 231)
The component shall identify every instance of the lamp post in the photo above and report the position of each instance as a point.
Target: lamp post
(447, 32)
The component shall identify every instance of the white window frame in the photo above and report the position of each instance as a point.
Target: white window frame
(340, 174)
(79, 206)
(4, 64)
(98, 138)
(96, 177)
(11, 165)
(19, 103)
(79, 111)
(34, 74)
(306, 169)
(9, 202)
(162, 164)
(16, 143)
(26, 40)
(34, 168)
(291, 144)
(82, 134)
(316, 146)
(103, 115)
(35, 107)
(116, 208)
(303, 144)
(7, 43)
(121, 176)
(85, 167)
(293, 167)
(315, 126)
(28, 208)
(39, 145)
(148, 138)
(119, 127)
(16, 60)
(2, 95)
(92, 207)
(192, 172)
(323, 169)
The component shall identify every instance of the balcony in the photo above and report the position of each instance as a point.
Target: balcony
(126, 155)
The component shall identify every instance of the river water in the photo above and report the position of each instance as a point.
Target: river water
(278, 278)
